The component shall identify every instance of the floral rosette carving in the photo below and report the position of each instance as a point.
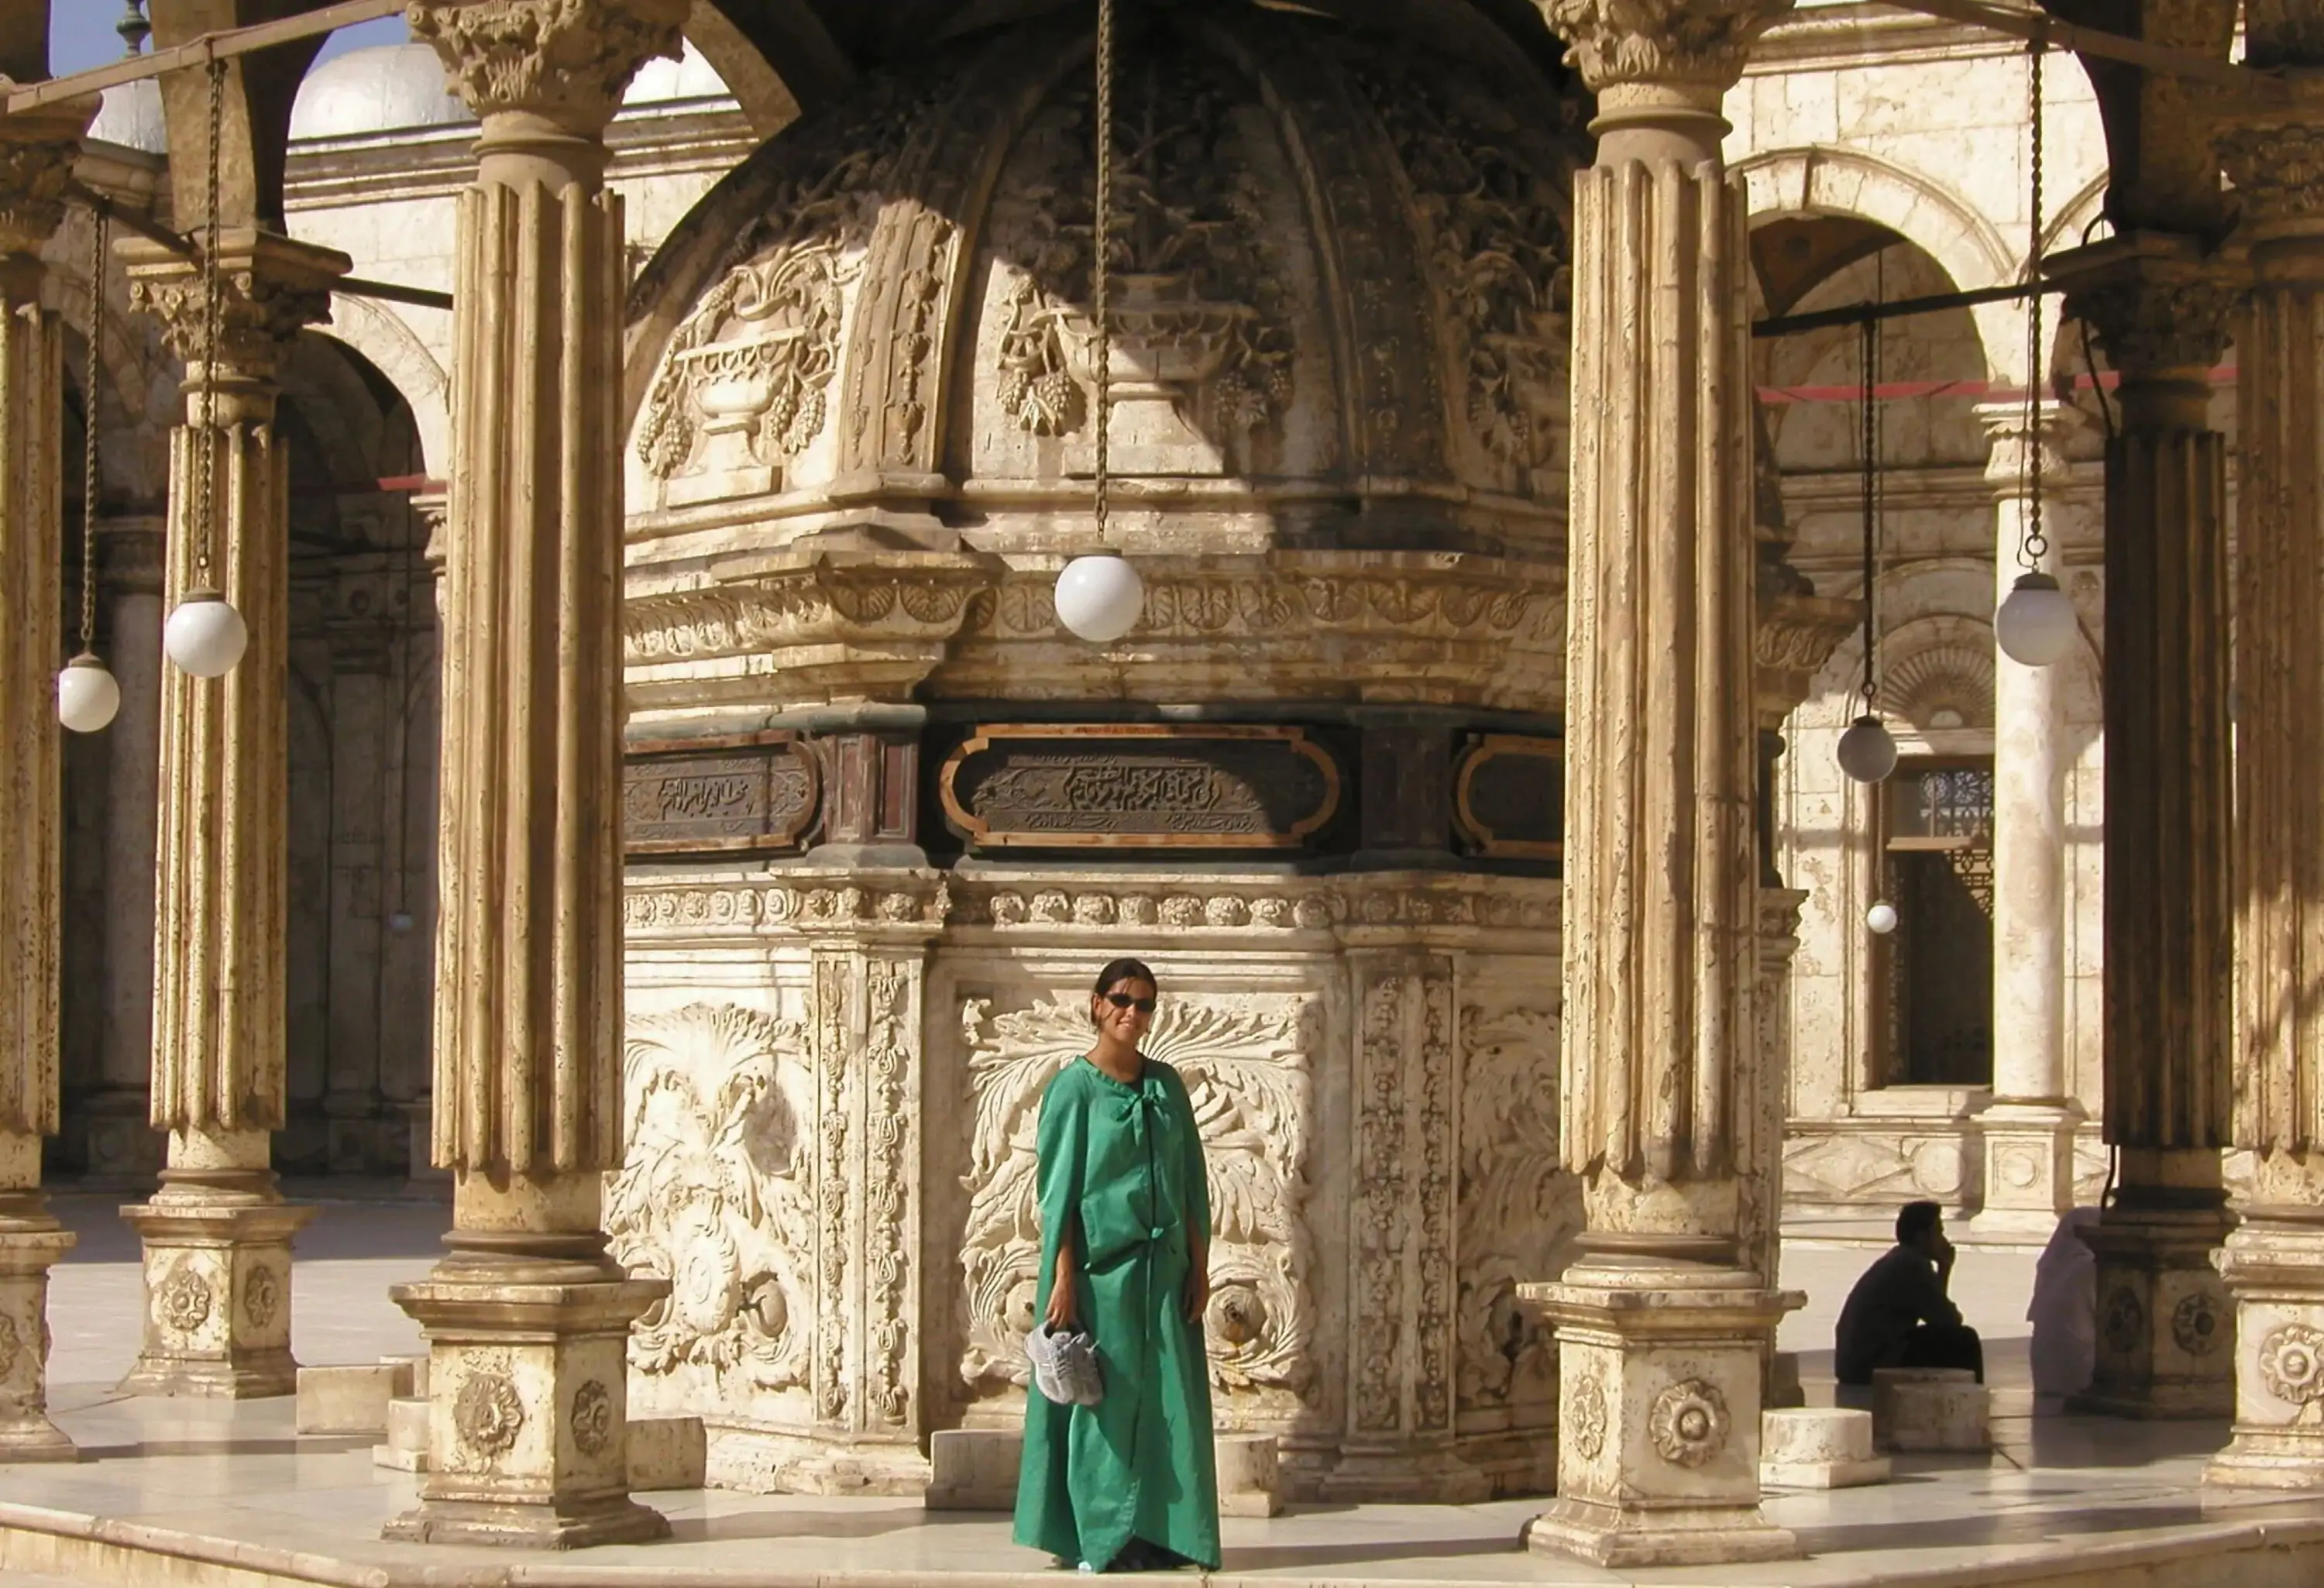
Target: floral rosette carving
(2125, 1321)
(1688, 1422)
(592, 1417)
(1246, 1065)
(2196, 1325)
(1587, 1418)
(12, 1347)
(2291, 1364)
(262, 1298)
(183, 1302)
(488, 1414)
(713, 1193)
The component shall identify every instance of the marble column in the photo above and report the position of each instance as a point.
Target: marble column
(36, 156)
(2274, 1261)
(527, 1318)
(434, 514)
(2029, 1127)
(1663, 1321)
(118, 1145)
(217, 1233)
(2165, 1325)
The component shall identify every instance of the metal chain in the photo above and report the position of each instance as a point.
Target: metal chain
(207, 463)
(100, 229)
(2035, 545)
(1100, 263)
(1866, 359)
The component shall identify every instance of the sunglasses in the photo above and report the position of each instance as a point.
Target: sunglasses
(1124, 1000)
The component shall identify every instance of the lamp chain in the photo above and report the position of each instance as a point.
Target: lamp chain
(1869, 358)
(2035, 545)
(207, 461)
(1100, 251)
(99, 232)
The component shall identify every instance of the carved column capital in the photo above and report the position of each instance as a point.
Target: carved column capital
(2007, 429)
(2276, 160)
(567, 62)
(37, 151)
(1693, 44)
(270, 288)
(2156, 301)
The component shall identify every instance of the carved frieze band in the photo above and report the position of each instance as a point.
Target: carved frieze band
(1134, 786)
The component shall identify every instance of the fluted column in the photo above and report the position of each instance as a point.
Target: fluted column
(36, 155)
(434, 512)
(2274, 1262)
(2165, 1335)
(2029, 1126)
(217, 1233)
(1662, 1322)
(528, 1319)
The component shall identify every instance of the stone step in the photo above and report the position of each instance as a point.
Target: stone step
(351, 1399)
(406, 1450)
(1248, 1475)
(1941, 1409)
(1818, 1448)
(975, 1469)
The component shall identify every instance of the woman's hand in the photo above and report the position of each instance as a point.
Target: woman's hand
(1060, 1315)
(1197, 1295)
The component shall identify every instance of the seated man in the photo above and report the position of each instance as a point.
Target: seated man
(1898, 1316)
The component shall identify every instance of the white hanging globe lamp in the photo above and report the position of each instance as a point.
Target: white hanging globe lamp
(2035, 624)
(1868, 750)
(1881, 917)
(89, 696)
(1099, 598)
(205, 636)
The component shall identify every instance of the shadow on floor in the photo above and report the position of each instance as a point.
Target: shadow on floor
(343, 1231)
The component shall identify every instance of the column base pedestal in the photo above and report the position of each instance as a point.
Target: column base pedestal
(528, 1404)
(1406, 1477)
(2274, 1270)
(217, 1293)
(1659, 1371)
(30, 1243)
(2165, 1324)
(2029, 1173)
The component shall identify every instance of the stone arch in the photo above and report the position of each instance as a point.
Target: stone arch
(1937, 672)
(1844, 181)
(396, 351)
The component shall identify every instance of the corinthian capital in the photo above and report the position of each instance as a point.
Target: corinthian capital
(269, 289)
(37, 151)
(567, 60)
(1690, 43)
(2276, 161)
(2155, 300)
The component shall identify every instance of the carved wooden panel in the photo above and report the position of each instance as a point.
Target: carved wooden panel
(741, 793)
(1136, 786)
(1508, 796)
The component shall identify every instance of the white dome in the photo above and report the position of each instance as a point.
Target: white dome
(660, 81)
(388, 88)
(131, 117)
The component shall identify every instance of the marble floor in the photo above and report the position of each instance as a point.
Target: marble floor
(228, 1496)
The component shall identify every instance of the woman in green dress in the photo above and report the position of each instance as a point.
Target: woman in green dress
(1129, 1483)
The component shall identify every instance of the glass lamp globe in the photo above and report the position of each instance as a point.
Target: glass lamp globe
(87, 696)
(2035, 624)
(1881, 917)
(1099, 598)
(1867, 750)
(205, 636)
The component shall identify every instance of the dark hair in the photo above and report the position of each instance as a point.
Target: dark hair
(1916, 1219)
(1117, 971)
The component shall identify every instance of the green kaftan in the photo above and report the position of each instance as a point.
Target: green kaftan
(1121, 1167)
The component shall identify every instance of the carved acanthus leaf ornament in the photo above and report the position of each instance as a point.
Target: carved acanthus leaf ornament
(1699, 42)
(34, 173)
(568, 60)
(2278, 168)
(2152, 323)
(1246, 1063)
(258, 318)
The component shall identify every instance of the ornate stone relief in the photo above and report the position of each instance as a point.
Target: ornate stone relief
(565, 59)
(1494, 225)
(183, 1302)
(743, 386)
(1695, 42)
(592, 1417)
(714, 1195)
(2196, 1325)
(488, 1414)
(1202, 344)
(34, 172)
(262, 1298)
(827, 904)
(2291, 1364)
(2123, 1326)
(1246, 1062)
(1589, 1417)
(1517, 1212)
(1688, 1422)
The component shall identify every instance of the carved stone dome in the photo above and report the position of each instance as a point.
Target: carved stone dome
(1340, 399)
(386, 88)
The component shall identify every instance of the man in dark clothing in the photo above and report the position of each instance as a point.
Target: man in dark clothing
(1899, 1316)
